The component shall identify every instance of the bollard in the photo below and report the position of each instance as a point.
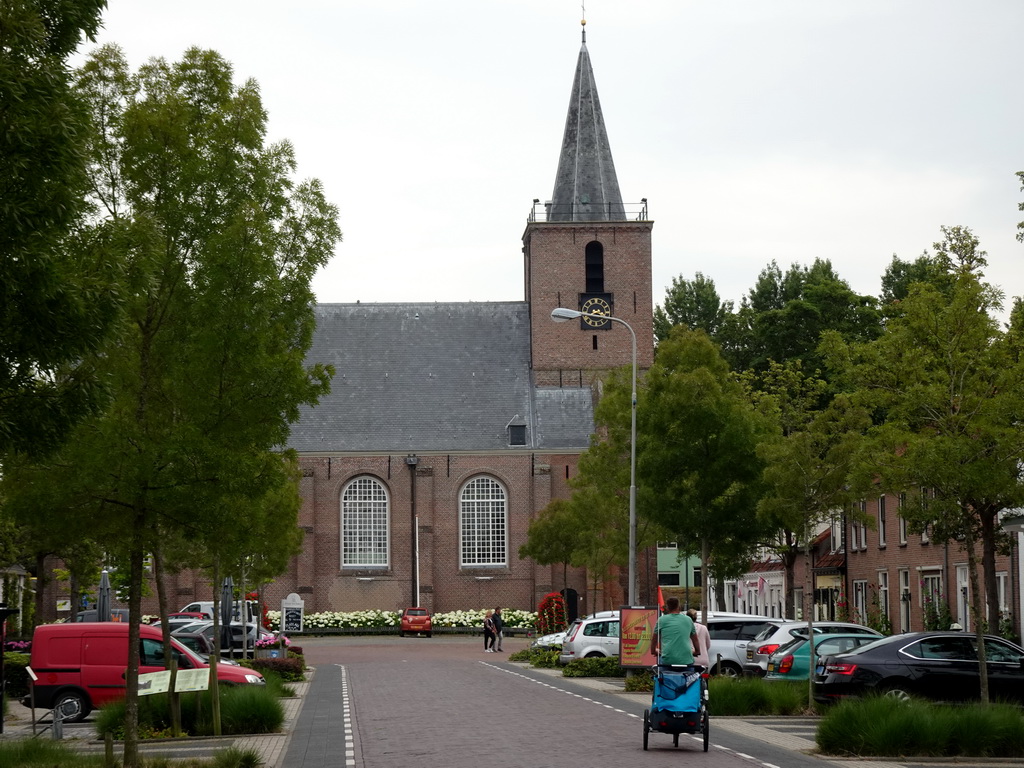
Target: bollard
(108, 744)
(58, 724)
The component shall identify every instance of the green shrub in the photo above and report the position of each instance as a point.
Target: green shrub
(291, 670)
(276, 685)
(744, 696)
(41, 753)
(520, 655)
(16, 674)
(601, 666)
(544, 659)
(243, 708)
(883, 726)
(233, 757)
(250, 709)
(641, 680)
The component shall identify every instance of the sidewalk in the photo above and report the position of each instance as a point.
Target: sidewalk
(271, 747)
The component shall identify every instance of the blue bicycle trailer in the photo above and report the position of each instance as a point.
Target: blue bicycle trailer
(679, 704)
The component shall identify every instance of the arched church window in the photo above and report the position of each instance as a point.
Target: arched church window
(483, 523)
(365, 511)
(594, 255)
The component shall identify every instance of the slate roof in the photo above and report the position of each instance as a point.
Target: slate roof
(434, 377)
(586, 187)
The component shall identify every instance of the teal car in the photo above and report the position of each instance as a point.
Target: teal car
(791, 661)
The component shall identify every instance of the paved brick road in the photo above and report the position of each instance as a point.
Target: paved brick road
(443, 702)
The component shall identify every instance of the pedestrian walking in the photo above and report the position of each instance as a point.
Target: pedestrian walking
(702, 659)
(489, 632)
(499, 625)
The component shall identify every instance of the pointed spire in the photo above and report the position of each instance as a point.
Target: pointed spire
(586, 188)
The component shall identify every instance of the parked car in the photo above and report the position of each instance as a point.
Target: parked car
(416, 621)
(552, 641)
(731, 634)
(792, 660)
(116, 614)
(591, 636)
(770, 639)
(935, 665)
(178, 622)
(205, 607)
(241, 639)
(201, 646)
(81, 666)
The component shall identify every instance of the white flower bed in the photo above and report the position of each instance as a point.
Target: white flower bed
(383, 619)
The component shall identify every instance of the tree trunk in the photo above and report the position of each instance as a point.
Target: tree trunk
(136, 557)
(988, 567)
(169, 660)
(976, 612)
(215, 656)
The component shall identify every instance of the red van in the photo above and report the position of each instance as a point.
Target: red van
(81, 666)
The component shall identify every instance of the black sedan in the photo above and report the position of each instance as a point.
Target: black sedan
(935, 665)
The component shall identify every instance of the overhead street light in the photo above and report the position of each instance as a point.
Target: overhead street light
(560, 315)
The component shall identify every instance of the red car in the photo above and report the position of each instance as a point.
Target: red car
(416, 621)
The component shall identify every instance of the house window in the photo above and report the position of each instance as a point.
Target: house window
(517, 434)
(859, 529)
(902, 521)
(696, 576)
(668, 579)
(364, 524)
(881, 522)
(931, 592)
(925, 496)
(883, 593)
(482, 508)
(860, 601)
(668, 545)
(905, 598)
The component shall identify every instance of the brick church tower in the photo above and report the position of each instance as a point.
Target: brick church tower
(585, 250)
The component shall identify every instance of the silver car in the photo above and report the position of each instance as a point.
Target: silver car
(593, 636)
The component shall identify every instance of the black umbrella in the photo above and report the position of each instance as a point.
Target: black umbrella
(227, 597)
(103, 598)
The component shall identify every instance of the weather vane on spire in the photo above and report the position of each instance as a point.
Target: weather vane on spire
(583, 21)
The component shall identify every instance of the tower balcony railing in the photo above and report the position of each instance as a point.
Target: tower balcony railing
(570, 212)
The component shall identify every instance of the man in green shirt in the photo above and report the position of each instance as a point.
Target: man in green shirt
(675, 636)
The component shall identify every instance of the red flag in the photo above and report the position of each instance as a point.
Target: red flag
(661, 599)
(761, 584)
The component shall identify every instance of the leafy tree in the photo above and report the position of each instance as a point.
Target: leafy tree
(206, 365)
(552, 538)
(901, 275)
(698, 469)
(694, 304)
(947, 387)
(57, 294)
(598, 511)
(806, 464)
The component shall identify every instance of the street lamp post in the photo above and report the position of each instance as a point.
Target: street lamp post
(560, 315)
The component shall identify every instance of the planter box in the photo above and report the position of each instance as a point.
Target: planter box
(271, 653)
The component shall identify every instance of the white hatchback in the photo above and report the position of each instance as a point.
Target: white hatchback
(590, 637)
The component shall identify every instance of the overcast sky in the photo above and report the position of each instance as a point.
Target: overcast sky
(849, 130)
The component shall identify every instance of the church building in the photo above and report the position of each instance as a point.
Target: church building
(449, 426)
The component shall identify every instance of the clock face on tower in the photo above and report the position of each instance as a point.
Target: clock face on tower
(596, 304)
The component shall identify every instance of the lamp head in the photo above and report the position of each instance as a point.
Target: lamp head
(561, 314)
